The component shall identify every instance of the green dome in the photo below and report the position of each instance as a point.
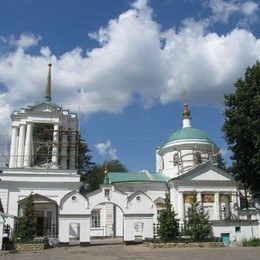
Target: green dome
(188, 133)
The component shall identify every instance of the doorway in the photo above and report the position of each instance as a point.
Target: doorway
(106, 224)
(225, 238)
(39, 214)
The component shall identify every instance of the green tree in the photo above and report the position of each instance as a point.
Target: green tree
(198, 225)
(114, 166)
(96, 174)
(84, 157)
(242, 129)
(27, 223)
(84, 162)
(168, 223)
(221, 163)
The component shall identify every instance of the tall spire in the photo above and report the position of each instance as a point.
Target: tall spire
(186, 116)
(48, 85)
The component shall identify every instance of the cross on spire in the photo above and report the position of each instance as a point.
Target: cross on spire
(186, 112)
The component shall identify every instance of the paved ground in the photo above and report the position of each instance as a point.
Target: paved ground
(122, 252)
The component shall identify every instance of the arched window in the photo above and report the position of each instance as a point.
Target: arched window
(95, 218)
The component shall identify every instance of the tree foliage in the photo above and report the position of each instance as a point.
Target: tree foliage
(198, 225)
(84, 157)
(96, 173)
(242, 129)
(221, 163)
(27, 223)
(169, 224)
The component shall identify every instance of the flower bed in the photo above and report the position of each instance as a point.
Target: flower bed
(186, 245)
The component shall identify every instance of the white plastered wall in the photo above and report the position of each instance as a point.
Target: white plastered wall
(1, 230)
(237, 230)
(136, 208)
(73, 210)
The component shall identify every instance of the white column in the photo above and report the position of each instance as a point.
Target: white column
(236, 203)
(72, 150)
(233, 204)
(1, 230)
(181, 207)
(21, 140)
(55, 146)
(217, 206)
(28, 146)
(13, 150)
(64, 148)
(227, 206)
(199, 198)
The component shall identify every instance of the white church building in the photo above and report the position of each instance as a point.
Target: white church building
(43, 162)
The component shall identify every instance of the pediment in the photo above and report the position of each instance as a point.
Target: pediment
(206, 172)
(140, 202)
(73, 203)
(37, 198)
(138, 194)
(159, 202)
(45, 107)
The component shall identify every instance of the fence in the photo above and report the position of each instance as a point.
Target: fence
(182, 228)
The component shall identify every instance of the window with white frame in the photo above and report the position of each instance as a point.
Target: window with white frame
(95, 218)
(159, 212)
(160, 206)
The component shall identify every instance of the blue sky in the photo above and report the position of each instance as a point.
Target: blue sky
(125, 65)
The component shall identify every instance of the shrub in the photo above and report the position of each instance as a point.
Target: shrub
(198, 224)
(27, 223)
(251, 242)
(169, 225)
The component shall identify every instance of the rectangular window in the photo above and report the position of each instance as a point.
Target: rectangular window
(225, 198)
(237, 229)
(107, 192)
(95, 218)
(207, 198)
(189, 198)
(160, 205)
(159, 211)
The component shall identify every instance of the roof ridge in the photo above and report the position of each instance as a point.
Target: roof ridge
(149, 175)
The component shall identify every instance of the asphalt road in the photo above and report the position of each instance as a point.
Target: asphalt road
(123, 252)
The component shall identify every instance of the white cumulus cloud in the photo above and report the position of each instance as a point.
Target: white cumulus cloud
(25, 40)
(134, 58)
(224, 10)
(106, 149)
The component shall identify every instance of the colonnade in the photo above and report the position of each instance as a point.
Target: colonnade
(21, 152)
(219, 213)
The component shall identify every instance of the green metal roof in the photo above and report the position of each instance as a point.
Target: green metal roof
(188, 133)
(119, 177)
